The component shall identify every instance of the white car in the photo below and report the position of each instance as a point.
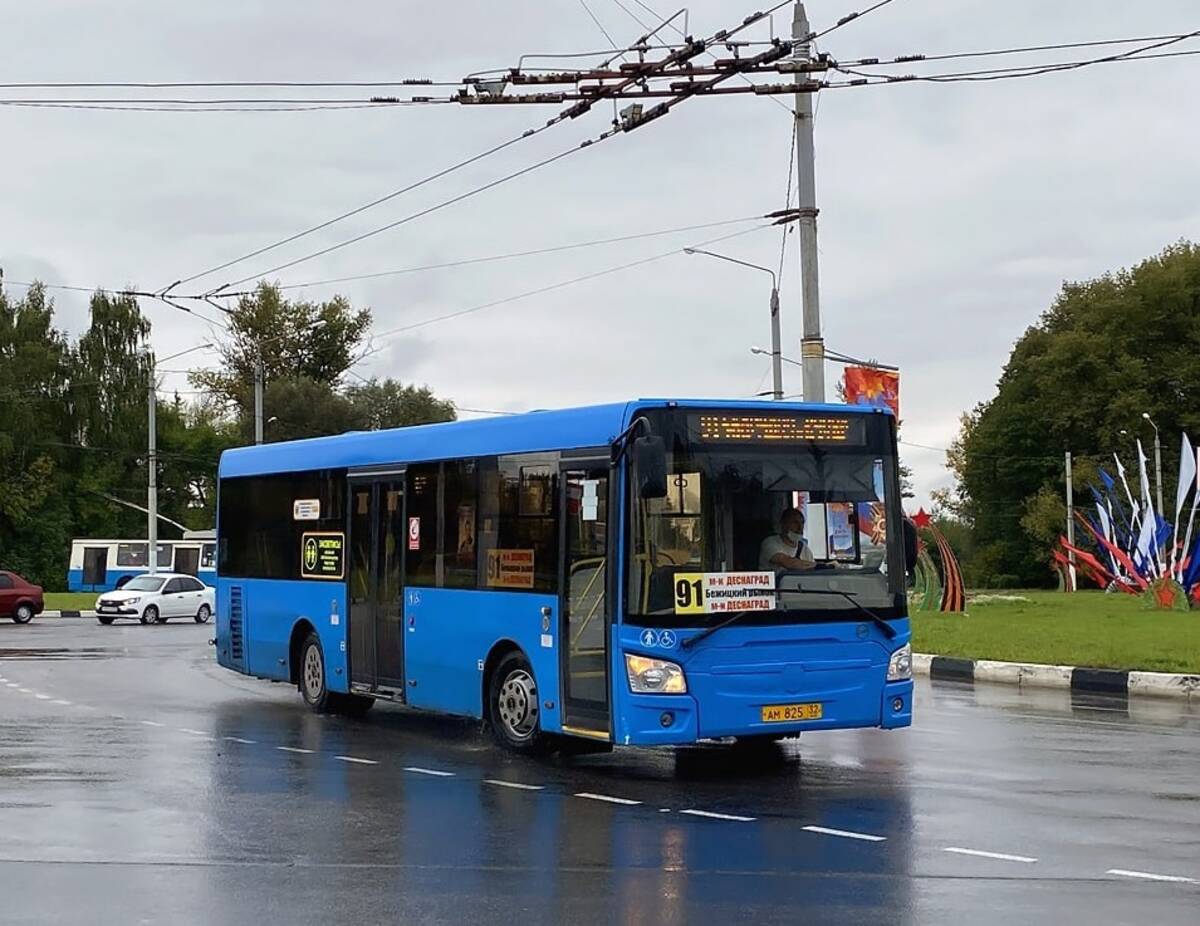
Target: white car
(156, 599)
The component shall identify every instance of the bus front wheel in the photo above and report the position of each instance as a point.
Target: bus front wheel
(313, 688)
(513, 706)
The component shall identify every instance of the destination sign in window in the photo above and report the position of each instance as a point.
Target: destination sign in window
(771, 429)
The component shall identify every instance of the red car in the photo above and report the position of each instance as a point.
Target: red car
(18, 599)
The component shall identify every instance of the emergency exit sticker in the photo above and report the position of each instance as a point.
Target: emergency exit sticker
(414, 533)
(719, 592)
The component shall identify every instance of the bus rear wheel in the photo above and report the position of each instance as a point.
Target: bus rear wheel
(513, 706)
(313, 688)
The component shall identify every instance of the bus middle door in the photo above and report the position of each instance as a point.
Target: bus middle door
(376, 592)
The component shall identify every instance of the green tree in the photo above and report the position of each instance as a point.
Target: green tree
(1106, 351)
(387, 403)
(111, 369)
(317, 342)
(35, 428)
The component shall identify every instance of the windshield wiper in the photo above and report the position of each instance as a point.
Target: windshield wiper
(888, 630)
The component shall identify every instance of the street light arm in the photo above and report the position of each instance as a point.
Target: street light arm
(734, 260)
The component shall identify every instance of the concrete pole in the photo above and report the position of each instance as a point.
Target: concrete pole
(1070, 524)
(812, 347)
(258, 400)
(152, 491)
(776, 353)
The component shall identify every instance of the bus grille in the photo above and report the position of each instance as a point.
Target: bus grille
(235, 623)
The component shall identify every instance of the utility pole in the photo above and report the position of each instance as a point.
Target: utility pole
(776, 352)
(812, 347)
(152, 490)
(1070, 524)
(258, 399)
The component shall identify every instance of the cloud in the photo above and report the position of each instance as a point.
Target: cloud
(950, 214)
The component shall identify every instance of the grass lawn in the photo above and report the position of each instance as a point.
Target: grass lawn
(70, 601)
(1087, 628)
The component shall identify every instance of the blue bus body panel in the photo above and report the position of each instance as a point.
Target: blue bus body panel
(735, 672)
(75, 581)
(449, 634)
(271, 609)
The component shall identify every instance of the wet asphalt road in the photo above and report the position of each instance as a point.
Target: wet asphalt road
(141, 783)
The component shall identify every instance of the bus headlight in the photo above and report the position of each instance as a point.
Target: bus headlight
(900, 665)
(654, 676)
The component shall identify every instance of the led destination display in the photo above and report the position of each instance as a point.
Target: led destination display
(772, 429)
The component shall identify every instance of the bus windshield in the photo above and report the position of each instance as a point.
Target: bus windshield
(807, 497)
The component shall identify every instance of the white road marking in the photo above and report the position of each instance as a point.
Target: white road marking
(608, 798)
(13, 685)
(150, 723)
(238, 739)
(63, 703)
(664, 809)
(848, 834)
(428, 771)
(513, 784)
(193, 732)
(42, 697)
(719, 816)
(357, 760)
(1000, 856)
(24, 691)
(306, 752)
(1150, 876)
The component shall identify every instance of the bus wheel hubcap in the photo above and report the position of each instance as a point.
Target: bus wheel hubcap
(314, 673)
(517, 704)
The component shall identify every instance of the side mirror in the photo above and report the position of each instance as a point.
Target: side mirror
(650, 467)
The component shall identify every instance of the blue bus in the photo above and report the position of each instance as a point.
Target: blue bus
(580, 577)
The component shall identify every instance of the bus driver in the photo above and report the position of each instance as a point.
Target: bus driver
(786, 551)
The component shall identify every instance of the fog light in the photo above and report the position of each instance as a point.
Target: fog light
(897, 705)
(666, 719)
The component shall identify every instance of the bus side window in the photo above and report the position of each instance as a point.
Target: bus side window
(421, 565)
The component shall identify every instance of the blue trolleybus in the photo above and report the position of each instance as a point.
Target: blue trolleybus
(605, 574)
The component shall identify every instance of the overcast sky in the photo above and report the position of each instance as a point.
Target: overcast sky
(950, 213)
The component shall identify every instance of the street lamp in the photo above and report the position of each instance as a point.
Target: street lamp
(776, 363)
(1157, 461)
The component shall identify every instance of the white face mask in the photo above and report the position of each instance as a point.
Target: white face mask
(793, 537)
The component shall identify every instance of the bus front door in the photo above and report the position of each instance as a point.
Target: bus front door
(583, 631)
(376, 591)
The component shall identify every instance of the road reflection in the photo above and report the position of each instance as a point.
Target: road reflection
(428, 839)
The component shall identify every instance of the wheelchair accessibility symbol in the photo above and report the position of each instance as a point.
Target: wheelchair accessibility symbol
(663, 638)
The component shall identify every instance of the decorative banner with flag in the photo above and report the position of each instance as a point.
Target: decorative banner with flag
(872, 386)
(1140, 551)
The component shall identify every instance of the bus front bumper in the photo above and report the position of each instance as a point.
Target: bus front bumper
(671, 720)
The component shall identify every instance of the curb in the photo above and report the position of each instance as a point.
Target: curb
(1119, 682)
(67, 614)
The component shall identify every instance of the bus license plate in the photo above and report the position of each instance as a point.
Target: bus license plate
(786, 713)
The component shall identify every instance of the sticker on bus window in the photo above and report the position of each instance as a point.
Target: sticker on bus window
(720, 592)
(510, 568)
(306, 509)
(323, 556)
(414, 533)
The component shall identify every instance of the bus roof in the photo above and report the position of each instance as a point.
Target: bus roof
(529, 432)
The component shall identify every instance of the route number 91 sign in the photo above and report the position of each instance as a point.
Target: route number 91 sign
(719, 592)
